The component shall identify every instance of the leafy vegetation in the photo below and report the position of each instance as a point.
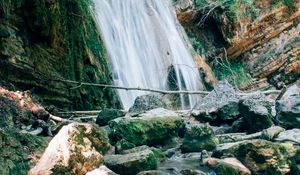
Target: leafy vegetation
(233, 72)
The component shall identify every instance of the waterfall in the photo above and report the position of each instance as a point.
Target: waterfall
(144, 39)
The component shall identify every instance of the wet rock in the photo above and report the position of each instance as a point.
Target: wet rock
(260, 156)
(123, 145)
(288, 108)
(153, 127)
(76, 149)
(222, 104)
(103, 170)
(271, 133)
(228, 166)
(257, 113)
(239, 125)
(192, 172)
(154, 172)
(199, 137)
(107, 115)
(132, 163)
(292, 136)
(159, 155)
(147, 102)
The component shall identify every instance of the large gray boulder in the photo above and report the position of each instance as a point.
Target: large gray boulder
(288, 108)
(153, 127)
(131, 163)
(222, 104)
(289, 136)
(147, 102)
(257, 113)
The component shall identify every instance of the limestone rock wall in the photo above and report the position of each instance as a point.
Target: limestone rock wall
(42, 40)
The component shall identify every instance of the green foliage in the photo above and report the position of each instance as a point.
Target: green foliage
(234, 72)
(289, 3)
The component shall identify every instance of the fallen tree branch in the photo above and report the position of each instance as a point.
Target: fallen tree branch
(156, 90)
(133, 88)
(81, 112)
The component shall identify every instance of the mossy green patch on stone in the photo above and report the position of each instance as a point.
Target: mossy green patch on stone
(146, 131)
(198, 138)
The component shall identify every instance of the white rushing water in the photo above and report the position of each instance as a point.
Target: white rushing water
(143, 39)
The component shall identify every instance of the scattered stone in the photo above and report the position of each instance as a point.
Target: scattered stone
(103, 170)
(159, 155)
(131, 163)
(199, 137)
(107, 115)
(288, 108)
(260, 156)
(222, 104)
(271, 133)
(227, 166)
(192, 172)
(289, 136)
(154, 127)
(74, 150)
(221, 129)
(147, 102)
(154, 172)
(257, 113)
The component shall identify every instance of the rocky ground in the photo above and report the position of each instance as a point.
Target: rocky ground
(227, 133)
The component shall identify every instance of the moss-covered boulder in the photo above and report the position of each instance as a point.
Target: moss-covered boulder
(261, 156)
(199, 137)
(159, 155)
(131, 163)
(151, 128)
(76, 149)
(107, 115)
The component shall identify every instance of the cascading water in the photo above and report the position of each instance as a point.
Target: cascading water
(143, 40)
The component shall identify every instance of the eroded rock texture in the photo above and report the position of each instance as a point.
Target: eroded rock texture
(262, 36)
(42, 40)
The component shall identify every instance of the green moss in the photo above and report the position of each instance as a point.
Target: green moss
(97, 136)
(289, 3)
(62, 41)
(146, 132)
(14, 151)
(225, 169)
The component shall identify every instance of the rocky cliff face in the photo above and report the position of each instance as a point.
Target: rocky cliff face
(260, 39)
(42, 40)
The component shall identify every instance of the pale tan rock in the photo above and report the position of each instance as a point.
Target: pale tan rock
(69, 152)
(230, 164)
(103, 170)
